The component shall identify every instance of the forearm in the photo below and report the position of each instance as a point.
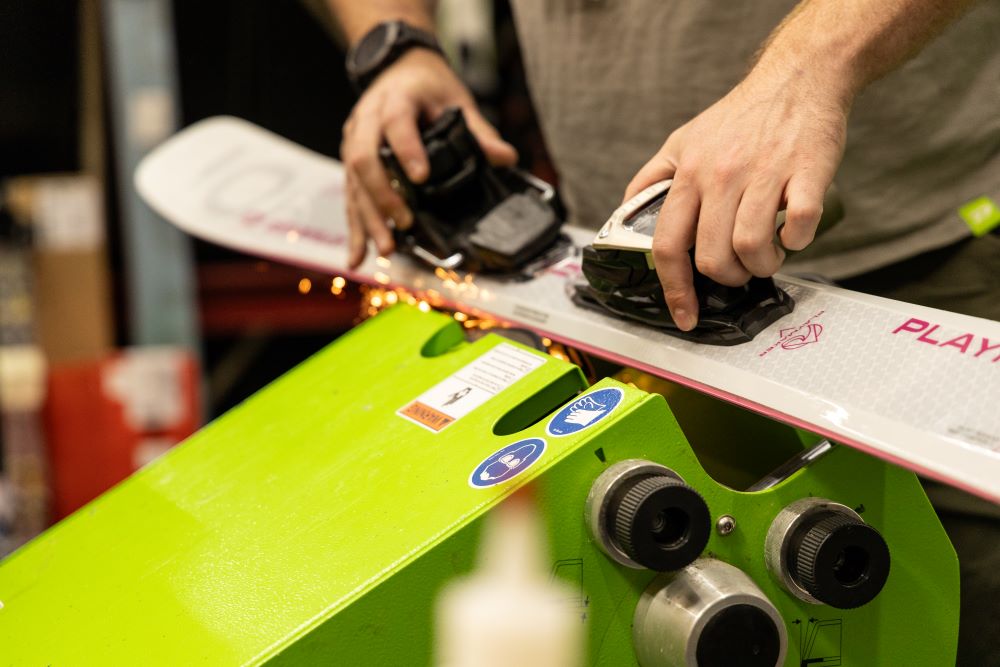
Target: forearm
(847, 44)
(357, 17)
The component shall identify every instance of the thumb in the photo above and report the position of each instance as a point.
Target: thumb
(498, 151)
(659, 168)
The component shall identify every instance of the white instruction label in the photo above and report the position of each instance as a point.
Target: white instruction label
(469, 387)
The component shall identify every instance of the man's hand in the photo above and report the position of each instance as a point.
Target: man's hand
(774, 142)
(420, 85)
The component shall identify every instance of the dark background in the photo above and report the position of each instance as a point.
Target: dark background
(268, 61)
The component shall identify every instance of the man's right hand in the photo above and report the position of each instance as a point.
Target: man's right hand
(420, 85)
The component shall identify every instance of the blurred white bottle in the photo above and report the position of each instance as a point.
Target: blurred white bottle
(509, 612)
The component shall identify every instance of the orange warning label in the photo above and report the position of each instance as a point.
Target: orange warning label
(426, 415)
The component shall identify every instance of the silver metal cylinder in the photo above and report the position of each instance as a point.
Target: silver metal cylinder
(599, 499)
(780, 533)
(708, 614)
(822, 552)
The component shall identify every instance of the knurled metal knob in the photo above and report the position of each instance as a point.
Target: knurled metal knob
(660, 522)
(839, 560)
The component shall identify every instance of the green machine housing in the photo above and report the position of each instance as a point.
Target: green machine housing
(314, 524)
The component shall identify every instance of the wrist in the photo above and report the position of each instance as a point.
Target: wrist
(808, 50)
(424, 59)
(823, 71)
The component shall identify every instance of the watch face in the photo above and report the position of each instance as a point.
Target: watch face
(372, 49)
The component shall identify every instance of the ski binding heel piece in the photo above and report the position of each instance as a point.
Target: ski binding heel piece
(468, 214)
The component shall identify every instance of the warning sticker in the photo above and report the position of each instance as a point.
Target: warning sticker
(425, 415)
(585, 411)
(507, 463)
(469, 387)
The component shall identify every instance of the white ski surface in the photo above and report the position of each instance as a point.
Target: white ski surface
(912, 385)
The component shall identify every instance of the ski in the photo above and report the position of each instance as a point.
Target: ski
(912, 385)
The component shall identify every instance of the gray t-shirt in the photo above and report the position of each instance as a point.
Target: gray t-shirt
(612, 78)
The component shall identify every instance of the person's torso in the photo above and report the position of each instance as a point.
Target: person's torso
(612, 78)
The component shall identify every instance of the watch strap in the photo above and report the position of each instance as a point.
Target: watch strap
(382, 46)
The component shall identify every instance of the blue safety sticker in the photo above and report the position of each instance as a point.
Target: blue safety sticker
(585, 411)
(507, 463)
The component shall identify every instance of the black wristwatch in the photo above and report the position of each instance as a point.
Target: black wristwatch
(382, 46)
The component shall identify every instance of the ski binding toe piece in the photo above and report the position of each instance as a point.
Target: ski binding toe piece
(621, 280)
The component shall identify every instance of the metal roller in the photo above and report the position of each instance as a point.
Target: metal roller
(710, 614)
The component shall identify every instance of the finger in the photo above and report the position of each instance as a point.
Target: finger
(498, 151)
(345, 131)
(673, 238)
(659, 168)
(804, 194)
(400, 122)
(753, 234)
(714, 255)
(373, 222)
(356, 230)
(361, 156)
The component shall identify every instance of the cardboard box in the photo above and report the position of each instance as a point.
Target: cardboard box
(72, 287)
